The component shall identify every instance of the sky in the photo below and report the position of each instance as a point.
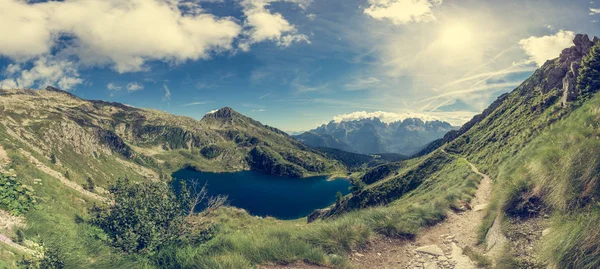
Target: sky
(291, 64)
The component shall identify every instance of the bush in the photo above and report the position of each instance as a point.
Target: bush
(211, 152)
(14, 196)
(143, 218)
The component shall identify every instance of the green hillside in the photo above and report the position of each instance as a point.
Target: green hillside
(62, 157)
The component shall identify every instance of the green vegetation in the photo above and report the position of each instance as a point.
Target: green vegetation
(558, 172)
(142, 218)
(15, 197)
(480, 260)
(243, 240)
(211, 151)
(588, 81)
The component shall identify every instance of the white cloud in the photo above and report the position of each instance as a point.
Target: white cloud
(113, 87)
(454, 118)
(387, 117)
(212, 111)
(45, 71)
(402, 11)
(262, 24)
(541, 49)
(197, 103)
(594, 11)
(362, 84)
(167, 96)
(121, 33)
(134, 87)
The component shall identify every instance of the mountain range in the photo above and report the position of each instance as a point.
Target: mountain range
(371, 135)
(515, 187)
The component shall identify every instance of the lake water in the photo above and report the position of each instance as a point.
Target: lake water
(266, 195)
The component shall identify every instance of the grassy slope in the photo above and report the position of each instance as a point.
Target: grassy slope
(561, 167)
(245, 240)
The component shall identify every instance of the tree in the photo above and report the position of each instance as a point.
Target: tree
(90, 186)
(357, 186)
(53, 158)
(143, 217)
(588, 81)
(192, 196)
(338, 198)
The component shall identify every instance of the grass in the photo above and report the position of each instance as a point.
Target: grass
(558, 172)
(246, 240)
(480, 260)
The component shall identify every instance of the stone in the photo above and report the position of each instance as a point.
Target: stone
(442, 258)
(480, 207)
(429, 265)
(431, 249)
(546, 232)
(358, 254)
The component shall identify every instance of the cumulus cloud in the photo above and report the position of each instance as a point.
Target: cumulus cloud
(113, 87)
(124, 34)
(45, 70)
(262, 24)
(402, 11)
(134, 87)
(541, 49)
(594, 11)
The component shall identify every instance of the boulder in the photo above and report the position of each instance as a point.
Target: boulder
(431, 250)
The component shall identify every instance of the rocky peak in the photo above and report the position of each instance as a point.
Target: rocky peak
(223, 113)
(570, 62)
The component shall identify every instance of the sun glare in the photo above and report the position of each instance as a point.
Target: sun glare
(456, 36)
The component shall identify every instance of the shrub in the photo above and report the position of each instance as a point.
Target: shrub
(357, 186)
(211, 152)
(90, 185)
(143, 217)
(14, 196)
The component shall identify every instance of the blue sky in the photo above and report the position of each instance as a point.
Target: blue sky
(292, 64)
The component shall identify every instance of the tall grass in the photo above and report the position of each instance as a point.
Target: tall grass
(559, 170)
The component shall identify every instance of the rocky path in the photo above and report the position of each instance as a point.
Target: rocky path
(439, 246)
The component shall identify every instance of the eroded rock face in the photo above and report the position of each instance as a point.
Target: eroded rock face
(570, 62)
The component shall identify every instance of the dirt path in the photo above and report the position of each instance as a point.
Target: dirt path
(439, 246)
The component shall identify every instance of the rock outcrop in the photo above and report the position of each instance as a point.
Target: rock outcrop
(570, 62)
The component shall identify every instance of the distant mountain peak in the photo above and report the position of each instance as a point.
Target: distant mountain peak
(225, 113)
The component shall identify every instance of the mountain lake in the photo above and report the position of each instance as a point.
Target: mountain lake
(266, 195)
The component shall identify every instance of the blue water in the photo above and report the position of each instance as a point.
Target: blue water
(266, 195)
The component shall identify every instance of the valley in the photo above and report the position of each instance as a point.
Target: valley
(89, 184)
